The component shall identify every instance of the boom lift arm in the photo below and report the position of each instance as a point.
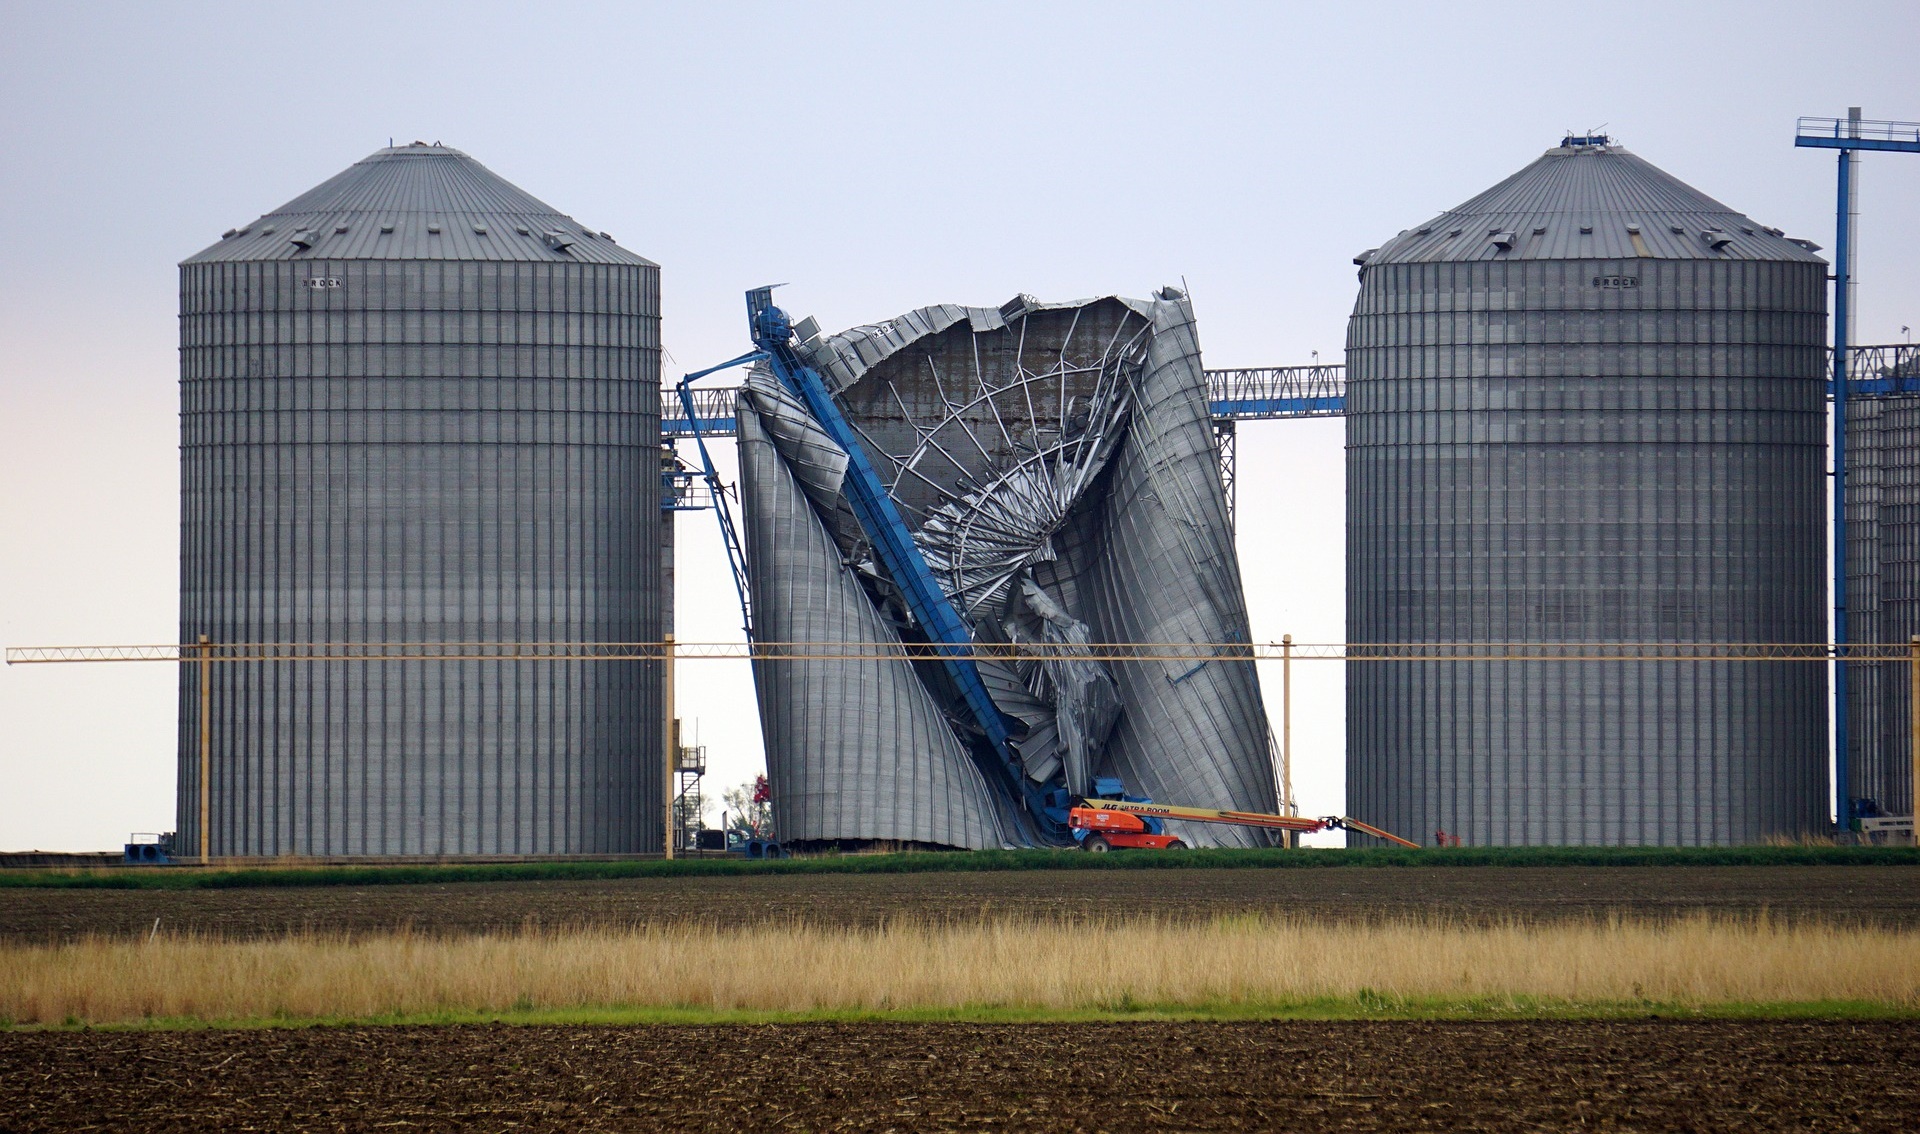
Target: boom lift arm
(1103, 824)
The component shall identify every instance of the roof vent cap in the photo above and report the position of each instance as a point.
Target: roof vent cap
(229, 233)
(434, 229)
(303, 238)
(1586, 230)
(1504, 240)
(338, 228)
(479, 230)
(1716, 239)
(388, 227)
(557, 240)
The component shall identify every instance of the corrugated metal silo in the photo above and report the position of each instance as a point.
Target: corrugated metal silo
(1883, 588)
(1587, 406)
(419, 405)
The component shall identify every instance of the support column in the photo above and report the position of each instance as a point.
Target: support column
(1286, 730)
(1226, 440)
(206, 739)
(1842, 325)
(670, 737)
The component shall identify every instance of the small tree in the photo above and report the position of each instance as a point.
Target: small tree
(750, 808)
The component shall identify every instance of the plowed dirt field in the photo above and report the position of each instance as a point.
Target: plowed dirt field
(1650, 1075)
(1887, 895)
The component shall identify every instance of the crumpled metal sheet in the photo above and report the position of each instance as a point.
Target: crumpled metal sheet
(1193, 733)
(1084, 696)
(814, 458)
(856, 750)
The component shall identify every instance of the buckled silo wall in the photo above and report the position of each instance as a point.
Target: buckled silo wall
(427, 452)
(1533, 456)
(857, 749)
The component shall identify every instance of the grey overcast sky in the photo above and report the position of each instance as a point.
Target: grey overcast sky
(879, 157)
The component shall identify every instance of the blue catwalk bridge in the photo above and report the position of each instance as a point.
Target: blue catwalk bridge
(1271, 393)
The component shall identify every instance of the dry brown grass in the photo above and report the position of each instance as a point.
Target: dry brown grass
(1016, 965)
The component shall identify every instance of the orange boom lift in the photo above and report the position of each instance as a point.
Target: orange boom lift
(1114, 824)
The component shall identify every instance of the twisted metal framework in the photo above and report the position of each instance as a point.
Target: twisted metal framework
(1048, 431)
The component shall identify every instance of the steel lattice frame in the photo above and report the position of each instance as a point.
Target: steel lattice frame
(1048, 443)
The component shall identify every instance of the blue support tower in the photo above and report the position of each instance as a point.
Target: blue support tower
(1849, 135)
(729, 533)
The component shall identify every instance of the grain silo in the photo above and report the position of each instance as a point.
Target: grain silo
(1587, 406)
(1883, 578)
(419, 405)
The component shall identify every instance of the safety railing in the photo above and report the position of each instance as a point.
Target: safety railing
(1845, 130)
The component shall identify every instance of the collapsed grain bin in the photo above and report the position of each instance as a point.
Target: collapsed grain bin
(1056, 467)
(420, 406)
(1587, 406)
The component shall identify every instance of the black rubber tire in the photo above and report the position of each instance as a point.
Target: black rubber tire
(1178, 845)
(1096, 845)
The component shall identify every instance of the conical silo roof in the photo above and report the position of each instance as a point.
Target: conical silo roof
(1589, 199)
(417, 202)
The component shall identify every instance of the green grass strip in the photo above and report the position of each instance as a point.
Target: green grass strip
(1364, 1006)
(218, 878)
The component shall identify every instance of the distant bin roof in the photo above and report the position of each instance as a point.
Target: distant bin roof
(1589, 199)
(417, 202)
